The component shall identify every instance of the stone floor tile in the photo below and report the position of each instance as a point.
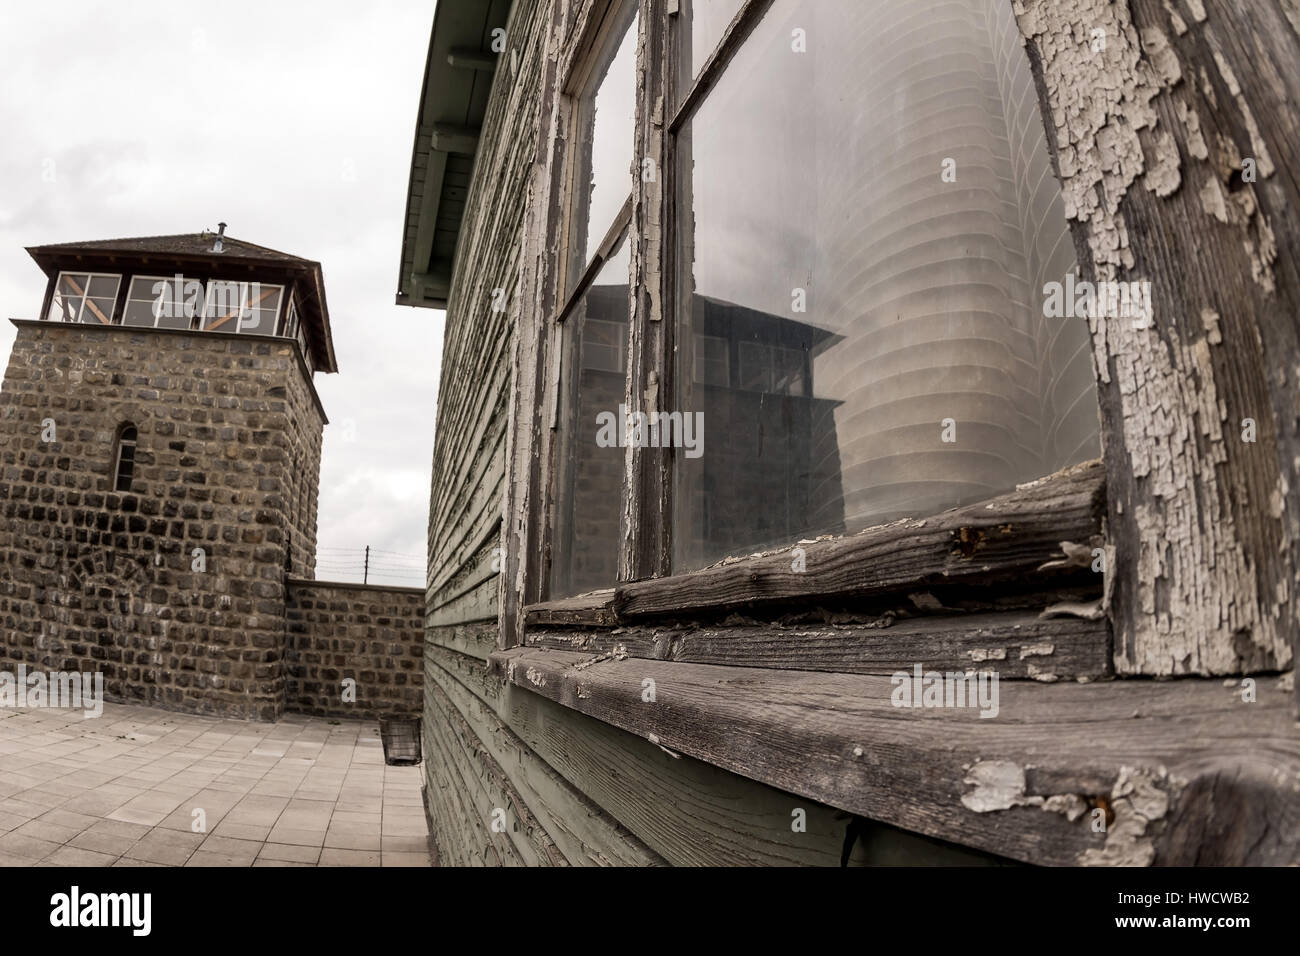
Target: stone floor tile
(78, 856)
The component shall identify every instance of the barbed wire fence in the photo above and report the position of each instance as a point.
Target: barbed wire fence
(367, 565)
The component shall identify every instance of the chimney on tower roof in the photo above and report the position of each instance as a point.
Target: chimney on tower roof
(221, 232)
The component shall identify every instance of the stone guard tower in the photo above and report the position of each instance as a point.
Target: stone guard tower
(160, 441)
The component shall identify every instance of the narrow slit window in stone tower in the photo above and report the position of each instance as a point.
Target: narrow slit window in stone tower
(124, 458)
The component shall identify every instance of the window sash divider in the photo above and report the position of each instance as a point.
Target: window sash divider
(737, 32)
(607, 246)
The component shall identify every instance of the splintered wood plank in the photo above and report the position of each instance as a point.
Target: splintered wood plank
(1017, 645)
(689, 812)
(471, 807)
(1023, 783)
(584, 833)
(477, 604)
(476, 640)
(594, 609)
(999, 540)
(491, 794)
(453, 833)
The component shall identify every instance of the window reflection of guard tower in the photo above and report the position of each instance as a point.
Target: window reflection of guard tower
(770, 468)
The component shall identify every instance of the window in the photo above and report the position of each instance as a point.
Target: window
(591, 466)
(84, 297)
(604, 343)
(293, 328)
(855, 335)
(605, 114)
(242, 307)
(856, 299)
(124, 457)
(703, 22)
(712, 360)
(594, 333)
(163, 302)
(290, 328)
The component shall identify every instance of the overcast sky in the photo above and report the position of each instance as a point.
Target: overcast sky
(292, 122)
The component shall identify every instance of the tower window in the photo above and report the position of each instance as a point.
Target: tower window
(242, 307)
(84, 297)
(124, 457)
(162, 302)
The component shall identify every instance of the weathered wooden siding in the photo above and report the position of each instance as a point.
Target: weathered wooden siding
(477, 761)
(464, 780)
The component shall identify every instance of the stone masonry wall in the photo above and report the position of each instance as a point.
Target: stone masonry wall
(93, 579)
(304, 440)
(374, 635)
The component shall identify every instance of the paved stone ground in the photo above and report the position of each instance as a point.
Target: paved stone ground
(120, 790)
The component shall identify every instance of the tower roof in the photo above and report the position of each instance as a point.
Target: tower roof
(187, 251)
(187, 244)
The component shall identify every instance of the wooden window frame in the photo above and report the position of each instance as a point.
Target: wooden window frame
(648, 221)
(597, 25)
(646, 546)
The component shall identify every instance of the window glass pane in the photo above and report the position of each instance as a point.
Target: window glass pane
(84, 297)
(103, 287)
(69, 297)
(712, 360)
(141, 303)
(863, 301)
(242, 307)
(164, 302)
(73, 285)
(702, 23)
(606, 120)
(63, 307)
(584, 553)
(175, 321)
(265, 297)
(604, 343)
(264, 309)
(259, 321)
(98, 311)
(224, 303)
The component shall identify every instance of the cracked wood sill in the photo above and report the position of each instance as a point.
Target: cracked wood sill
(1184, 771)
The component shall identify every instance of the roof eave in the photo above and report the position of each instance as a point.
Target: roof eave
(458, 73)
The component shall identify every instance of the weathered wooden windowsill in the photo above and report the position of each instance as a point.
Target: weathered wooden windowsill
(1165, 762)
(997, 541)
(743, 680)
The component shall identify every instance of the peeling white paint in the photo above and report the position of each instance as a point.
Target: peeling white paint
(1177, 22)
(1210, 319)
(996, 785)
(1070, 805)
(1089, 611)
(1195, 587)
(1191, 121)
(1138, 800)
